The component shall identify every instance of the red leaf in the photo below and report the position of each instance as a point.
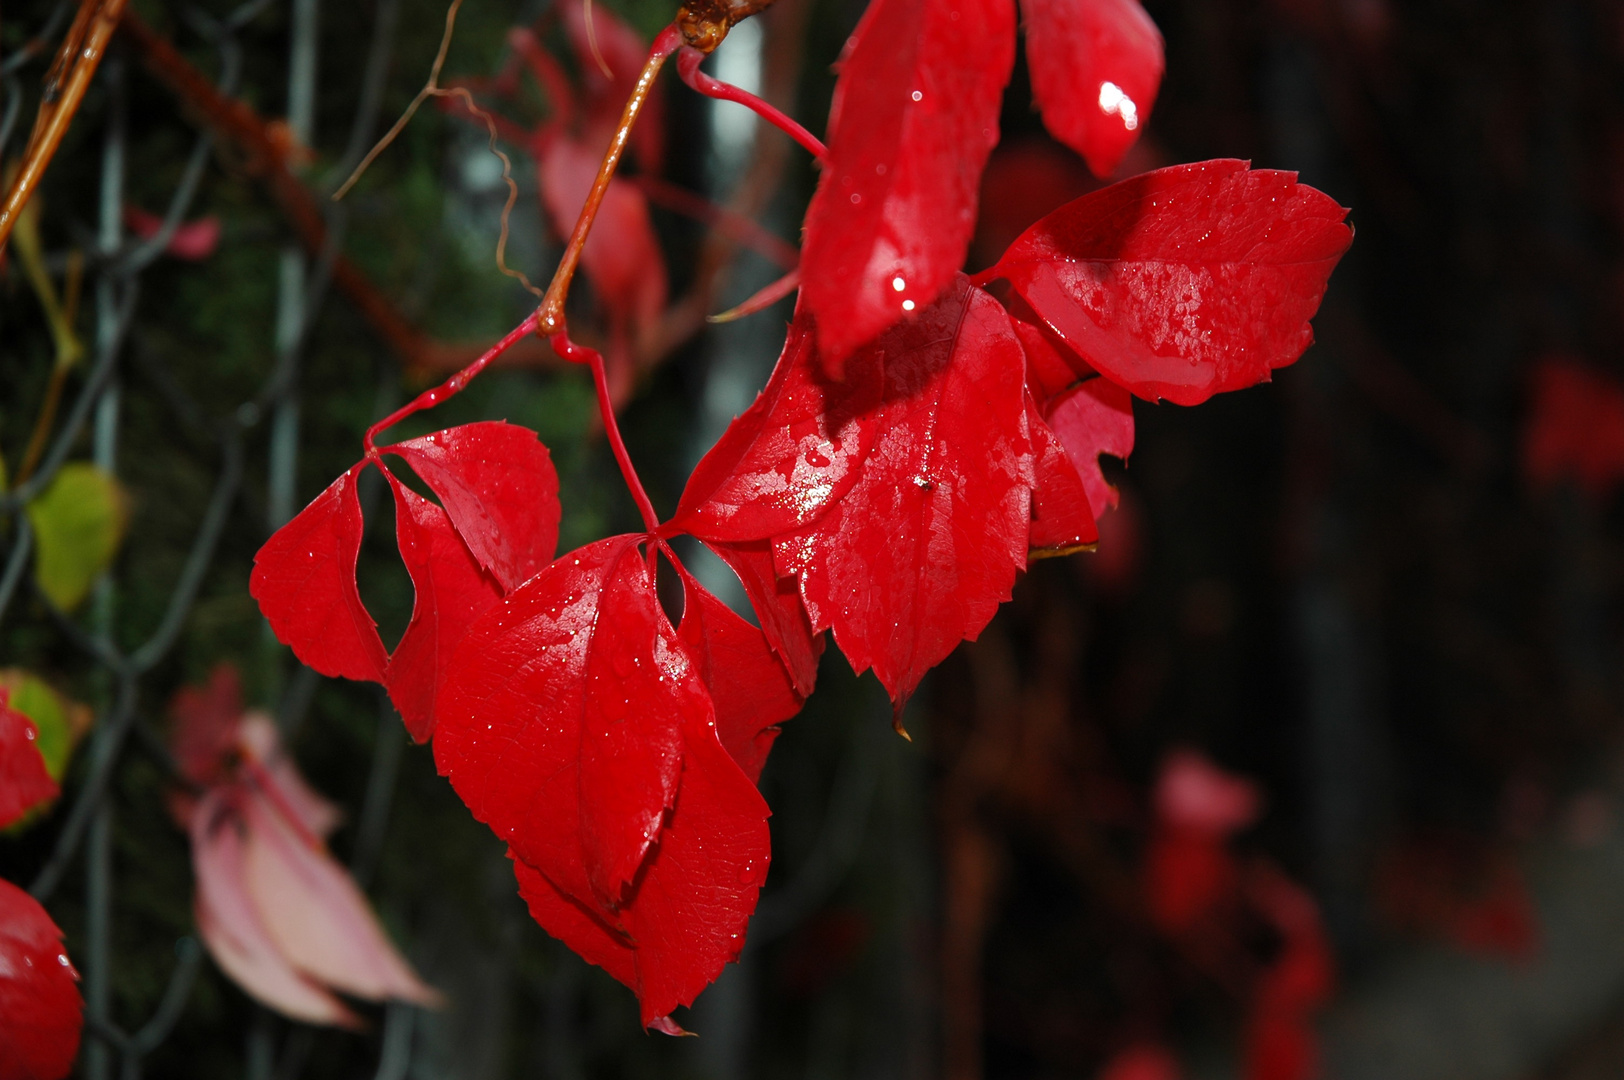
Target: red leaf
(193, 241)
(1281, 1046)
(1096, 66)
(24, 781)
(925, 546)
(914, 116)
(560, 720)
(1575, 427)
(778, 607)
(1092, 419)
(620, 48)
(451, 593)
(749, 686)
(1183, 282)
(622, 258)
(790, 455)
(1062, 520)
(205, 726)
(1193, 793)
(686, 915)
(233, 931)
(1146, 1061)
(40, 1007)
(498, 486)
(304, 580)
(1187, 873)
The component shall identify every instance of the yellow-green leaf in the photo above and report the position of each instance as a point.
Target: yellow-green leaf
(59, 720)
(78, 522)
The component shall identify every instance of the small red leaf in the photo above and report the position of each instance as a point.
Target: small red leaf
(304, 580)
(451, 592)
(24, 781)
(40, 1007)
(1193, 793)
(559, 721)
(205, 726)
(1096, 66)
(687, 913)
(1089, 420)
(925, 546)
(498, 486)
(622, 258)
(778, 607)
(749, 686)
(1183, 282)
(1575, 427)
(791, 454)
(1062, 518)
(914, 117)
(193, 241)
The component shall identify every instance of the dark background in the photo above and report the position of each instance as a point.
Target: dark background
(1340, 584)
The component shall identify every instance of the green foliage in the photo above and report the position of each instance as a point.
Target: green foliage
(78, 522)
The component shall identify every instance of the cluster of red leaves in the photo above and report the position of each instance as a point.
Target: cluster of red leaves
(1201, 894)
(275, 909)
(40, 1007)
(920, 438)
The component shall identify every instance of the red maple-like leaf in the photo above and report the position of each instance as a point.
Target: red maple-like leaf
(496, 527)
(920, 552)
(580, 726)
(1096, 66)
(24, 782)
(914, 116)
(40, 1007)
(1186, 281)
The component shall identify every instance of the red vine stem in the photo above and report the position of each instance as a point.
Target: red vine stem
(688, 62)
(552, 305)
(581, 354)
(452, 386)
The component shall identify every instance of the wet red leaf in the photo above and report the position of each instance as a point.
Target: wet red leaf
(451, 592)
(40, 1006)
(793, 453)
(1096, 66)
(914, 116)
(920, 552)
(24, 781)
(498, 486)
(778, 607)
(1062, 518)
(1186, 281)
(304, 580)
(577, 723)
(749, 686)
(1091, 419)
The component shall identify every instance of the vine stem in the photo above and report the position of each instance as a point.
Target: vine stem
(452, 386)
(551, 313)
(581, 354)
(688, 62)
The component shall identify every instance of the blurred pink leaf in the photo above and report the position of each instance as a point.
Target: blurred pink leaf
(230, 926)
(316, 914)
(1193, 793)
